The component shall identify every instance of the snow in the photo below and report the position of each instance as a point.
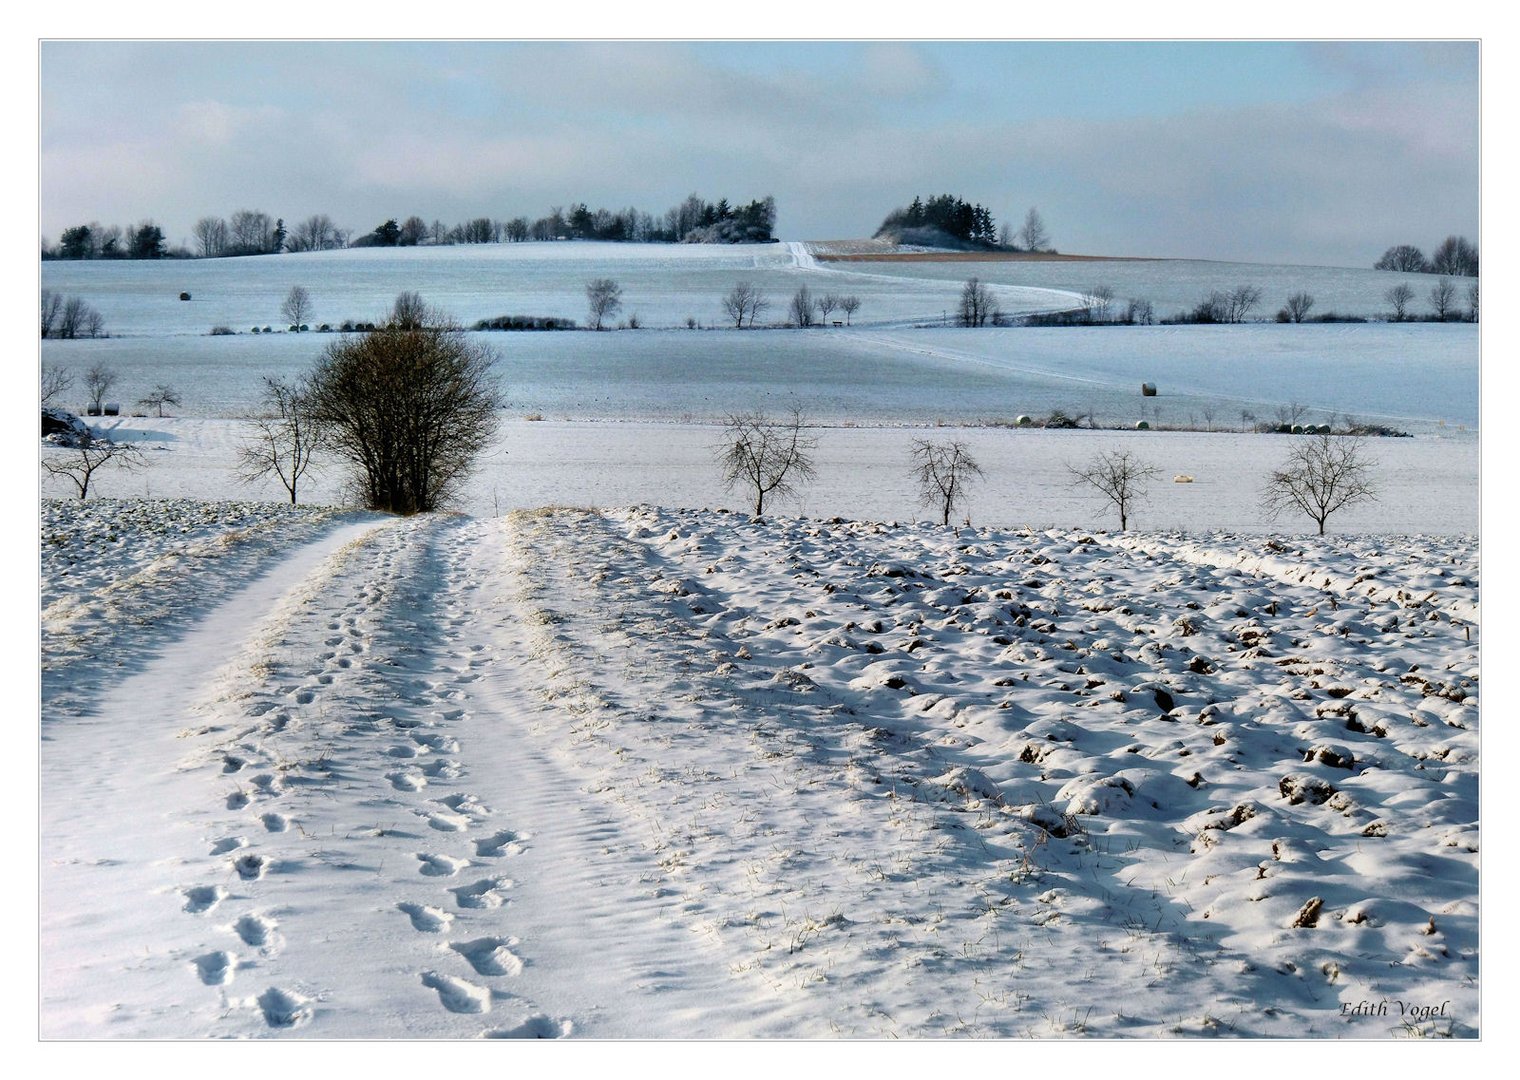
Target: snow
(659, 773)
(600, 756)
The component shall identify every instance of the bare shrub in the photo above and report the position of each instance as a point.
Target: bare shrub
(80, 463)
(409, 409)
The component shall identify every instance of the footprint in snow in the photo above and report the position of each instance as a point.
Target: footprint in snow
(255, 931)
(490, 955)
(216, 968)
(230, 843)
(203, 898)
(250, 867)
(505, 842)
(406, 780)
(284, 1008)
(275, 822)
(440, 865)
(485, 893)
(535, 1027)
(426, 918)
(457, 995)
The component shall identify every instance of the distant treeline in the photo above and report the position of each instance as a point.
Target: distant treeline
(950, 221)
(253, 232)
(1456, 256)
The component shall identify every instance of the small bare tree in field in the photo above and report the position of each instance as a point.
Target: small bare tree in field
(55, 383)
(976, 307)
(744, 303)
(944, 472)
(1120, 477)
(800, 310)
(97, 384)
(162, 395)
(296, 309)
(603, 299)
(80, 463)
(1298, 306)
(1323, 474)
(285, 437)
(1399, 296)
(851, 304)
(826, 304)
(1443, 299)
(1096, 301)
(765, 456)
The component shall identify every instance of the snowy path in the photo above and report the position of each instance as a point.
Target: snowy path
(1023, 299)
(653, 773)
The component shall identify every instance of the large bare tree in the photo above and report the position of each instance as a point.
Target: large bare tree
(1033, 235)
(55, 383)
(1322, 474)
(1443, 299)
(1120, 476)
(764, 455)
(944, 472)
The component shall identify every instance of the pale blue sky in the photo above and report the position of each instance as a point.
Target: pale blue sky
(1285, 152)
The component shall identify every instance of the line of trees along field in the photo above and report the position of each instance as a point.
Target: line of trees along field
(1456, 256)
(253, 232)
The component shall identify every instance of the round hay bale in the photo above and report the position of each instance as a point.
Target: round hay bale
(1182, 478)
(1142, 425)
(1023, 420)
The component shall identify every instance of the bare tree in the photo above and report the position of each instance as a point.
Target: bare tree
(316, 233)
(52, 312)
(1240, 301)
(800, 310)
(285, 437)
(80, 463)
(1033, 234)
(977, 307)
(1322, 474)
(944, 471)
(162, 395)
(296, 310)
(1472, 302)
(211, 237)
(603, 298)
(1443, 299)
(1139, 312)
(850, 305)
(1404, 257)
(1455, 255)
(411, 312)
(744, 302)
(251, 232)
(55, 383)
(1298, 306)
(765, 456)
(1120, 477)
(1399, 296)
(826, 304)
(1096, 301)
(97, 384)
(409, 409)
(77, 319)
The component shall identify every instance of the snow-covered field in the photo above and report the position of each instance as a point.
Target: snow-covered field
(602, 756)
(1425, 485)
(656, 773)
